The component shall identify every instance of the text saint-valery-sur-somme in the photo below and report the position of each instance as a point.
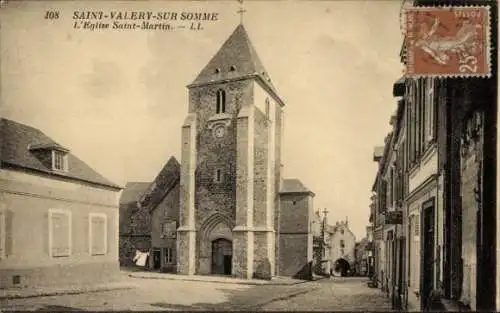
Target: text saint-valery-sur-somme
(145, 15)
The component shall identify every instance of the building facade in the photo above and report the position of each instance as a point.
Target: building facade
(58, 217)
(161, 202)
(342, 254)
(448, 143)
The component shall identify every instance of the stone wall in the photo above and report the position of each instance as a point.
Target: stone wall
(217, 153)
(166, 211)
(295, 237)
(295, 213)
(260, 169)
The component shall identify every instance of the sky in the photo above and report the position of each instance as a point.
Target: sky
(117, 98)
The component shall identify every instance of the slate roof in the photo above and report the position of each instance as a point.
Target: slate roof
(133, 192)
(293, 185)
(166, 179)
(18, 143)
(239, 52)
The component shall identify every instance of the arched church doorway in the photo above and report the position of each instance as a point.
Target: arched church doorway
(222, 256)
(341, 267)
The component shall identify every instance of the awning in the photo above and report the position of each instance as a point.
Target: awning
(398, 89)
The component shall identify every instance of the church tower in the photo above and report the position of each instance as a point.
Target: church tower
(231, 166)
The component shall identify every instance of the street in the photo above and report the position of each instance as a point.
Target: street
(156, 294)
(336, 294)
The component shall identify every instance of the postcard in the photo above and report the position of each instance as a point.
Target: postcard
(336, 155)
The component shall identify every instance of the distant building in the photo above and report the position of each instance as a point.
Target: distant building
(135, 230)
(58, 217)
(342, 244)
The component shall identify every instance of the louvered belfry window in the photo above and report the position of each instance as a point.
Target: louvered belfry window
(221, 102)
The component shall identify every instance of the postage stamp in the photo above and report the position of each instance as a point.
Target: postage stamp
(448, 41)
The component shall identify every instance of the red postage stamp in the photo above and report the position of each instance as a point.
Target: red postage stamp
(448, 41)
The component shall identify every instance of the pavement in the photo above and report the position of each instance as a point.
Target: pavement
(333, 294)
(20, 293)
(277, 281)
(336, 294)
(158, 294)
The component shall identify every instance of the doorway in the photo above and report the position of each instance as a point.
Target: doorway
(341, 268)
(427, 279)
(156, 258)
(222, 256)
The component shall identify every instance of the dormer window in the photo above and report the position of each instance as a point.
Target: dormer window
(221, 102)
(59, 161)
(52, 155)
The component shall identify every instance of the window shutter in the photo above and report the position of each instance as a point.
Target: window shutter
(417, 226)
(98, 230)
(60, 234)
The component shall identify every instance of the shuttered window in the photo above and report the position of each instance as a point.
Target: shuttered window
(98, 234)
(3, 235)
(430, 110)
(59, 233)
(416, 226)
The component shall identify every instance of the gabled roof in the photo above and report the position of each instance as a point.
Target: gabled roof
(168, 177)
(294, 185)
(235, 59)
(133, 192)
(18, 142)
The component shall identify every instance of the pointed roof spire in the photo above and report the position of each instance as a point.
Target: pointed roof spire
(236, 59)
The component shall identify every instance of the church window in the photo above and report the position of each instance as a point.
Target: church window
(232, 68)
(221, 101)
(342, 244)
(218, 176)
(341, 231)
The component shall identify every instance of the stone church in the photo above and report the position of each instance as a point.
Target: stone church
(229, 220)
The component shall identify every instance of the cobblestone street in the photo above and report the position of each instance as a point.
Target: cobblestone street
(336, 294)
(155, 294)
